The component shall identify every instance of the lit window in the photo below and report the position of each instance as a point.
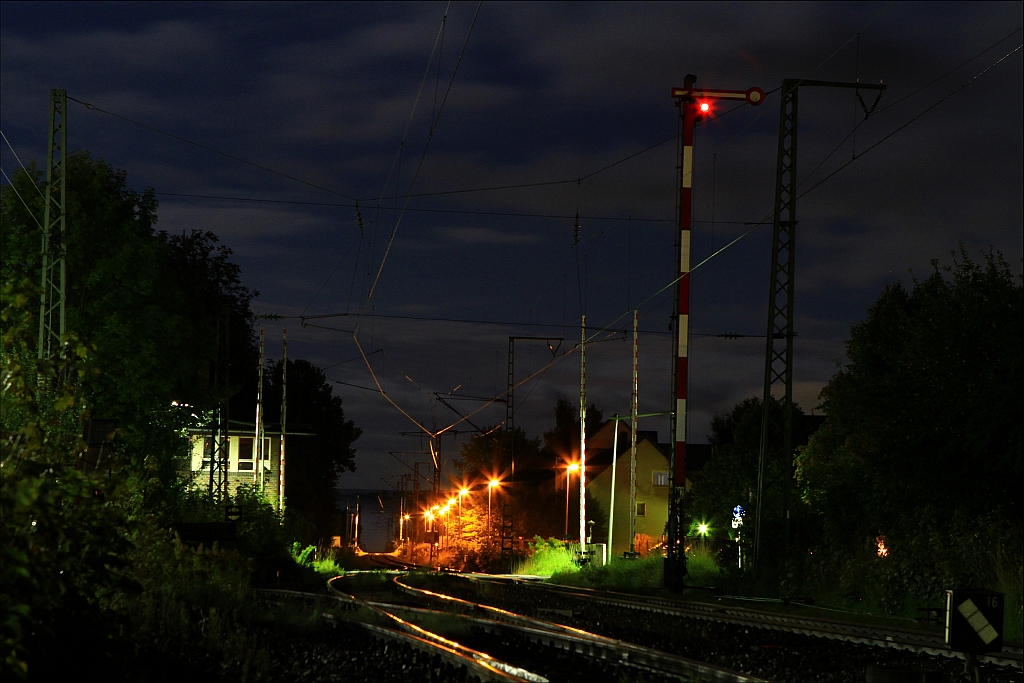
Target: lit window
(659, 478)
(245, 453)
(641, 509)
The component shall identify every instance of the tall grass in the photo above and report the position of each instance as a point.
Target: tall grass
(547, 558)
(701, 565)
(619, 574)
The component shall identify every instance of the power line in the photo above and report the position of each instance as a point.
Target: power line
(953, 92)
(34, 184)
(426, 146)
(904, 98)
(512, 214)
(11, 183)
(210, 149)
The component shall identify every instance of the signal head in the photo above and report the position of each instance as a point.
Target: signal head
(704, 107)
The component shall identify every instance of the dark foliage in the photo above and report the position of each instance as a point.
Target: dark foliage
(313, 463)
(923, 442)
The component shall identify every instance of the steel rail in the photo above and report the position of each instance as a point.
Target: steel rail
(584, 642)
(485, 667)
(892, 637)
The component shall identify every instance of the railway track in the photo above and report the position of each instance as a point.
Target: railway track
(505, 629)
(765, 644)
(518, 648)
(912, 640)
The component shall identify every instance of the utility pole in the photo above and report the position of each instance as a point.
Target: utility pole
(583, 436)
(257, 475)
(633, 411)
(777, 430)
(509, 460)
(52, 320)
(284, 419)
(692, 104)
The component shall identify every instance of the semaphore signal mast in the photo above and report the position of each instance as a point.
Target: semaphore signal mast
(693, 104)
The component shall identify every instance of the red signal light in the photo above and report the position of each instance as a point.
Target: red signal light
(704, 107)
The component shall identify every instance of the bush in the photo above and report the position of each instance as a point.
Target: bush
(547, 557)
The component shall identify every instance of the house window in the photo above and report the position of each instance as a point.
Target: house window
(659, 478)
(641, 509)
(245, 453)
(207, 451)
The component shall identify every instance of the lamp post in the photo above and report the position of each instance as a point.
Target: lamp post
(462, 492)
(491, 485)
(569, 469)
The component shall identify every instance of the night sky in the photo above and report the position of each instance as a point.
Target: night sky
(325, 93)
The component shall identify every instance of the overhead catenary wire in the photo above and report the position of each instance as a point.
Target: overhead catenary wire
(912, 120)
(268, 169)
(355, 335)
(423, 155)
(20, 163)
(712, 256)
(24, 203)
(512, 214)
(903, 99)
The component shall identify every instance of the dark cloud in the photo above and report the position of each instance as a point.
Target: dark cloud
(545, 92)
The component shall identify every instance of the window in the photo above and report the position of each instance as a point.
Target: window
(245, 453)
(659, 478)
(641, 509)
(207, 451)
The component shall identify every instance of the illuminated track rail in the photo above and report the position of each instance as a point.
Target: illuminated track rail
(890, 637)
(477, 664)
(576, 640)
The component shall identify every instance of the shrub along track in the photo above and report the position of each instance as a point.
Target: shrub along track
(768, 645)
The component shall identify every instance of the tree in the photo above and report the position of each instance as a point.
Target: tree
(540, 503)
(729, 478)
(923, 440)
(147, 301)
(313, 463)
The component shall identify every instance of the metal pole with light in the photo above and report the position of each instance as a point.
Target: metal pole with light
(569, 469)
(611, 502)
(692, 104)
(491, 485)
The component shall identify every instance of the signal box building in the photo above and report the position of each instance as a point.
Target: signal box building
(243, 469)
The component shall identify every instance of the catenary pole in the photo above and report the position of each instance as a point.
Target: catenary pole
(284, 418)
(633, 411)
(52, 321)
(257, 475)
(583, 436)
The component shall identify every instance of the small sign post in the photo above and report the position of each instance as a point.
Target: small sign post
(232, 513)
(974, 624)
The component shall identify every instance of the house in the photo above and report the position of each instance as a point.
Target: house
(652, 480)
(243, 469)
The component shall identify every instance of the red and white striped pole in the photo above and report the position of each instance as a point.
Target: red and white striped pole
(692, 104)
(688, 114)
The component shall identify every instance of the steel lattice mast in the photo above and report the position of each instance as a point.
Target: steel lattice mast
(52, 319)
(692, 104)
(777, 426)
(220, 441)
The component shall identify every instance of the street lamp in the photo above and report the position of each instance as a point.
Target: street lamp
(569, 469)
(491, 485)
(462, 492)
